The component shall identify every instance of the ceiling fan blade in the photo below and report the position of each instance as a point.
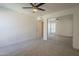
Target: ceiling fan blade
(41, 9)
(40, 4)
(32, 4)
(26, 7)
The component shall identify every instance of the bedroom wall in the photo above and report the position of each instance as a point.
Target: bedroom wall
(76, 28)
(64, 26)
(15, 27)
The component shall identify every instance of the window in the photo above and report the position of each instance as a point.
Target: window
(51, 27)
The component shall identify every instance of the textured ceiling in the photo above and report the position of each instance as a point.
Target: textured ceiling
(49, 7)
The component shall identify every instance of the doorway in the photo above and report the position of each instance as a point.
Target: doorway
(39, 28)
(60, 26)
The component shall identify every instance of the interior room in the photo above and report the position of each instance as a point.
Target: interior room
(39, 29)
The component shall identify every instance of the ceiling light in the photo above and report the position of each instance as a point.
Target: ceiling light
(34, 10)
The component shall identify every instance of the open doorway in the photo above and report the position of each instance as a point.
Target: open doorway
(60, 29)
(60, 26)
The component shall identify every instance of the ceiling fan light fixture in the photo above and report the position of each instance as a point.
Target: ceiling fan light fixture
(35, 7)
(34, 10)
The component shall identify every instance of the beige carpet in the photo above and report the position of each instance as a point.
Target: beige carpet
(54, 46)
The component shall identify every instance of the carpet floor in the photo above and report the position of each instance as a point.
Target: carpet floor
(54, 46)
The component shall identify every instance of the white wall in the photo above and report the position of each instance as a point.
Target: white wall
(15, 27)
(76, 28)
(45, 31)
(64, 25)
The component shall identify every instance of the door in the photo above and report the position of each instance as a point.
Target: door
(39, 29)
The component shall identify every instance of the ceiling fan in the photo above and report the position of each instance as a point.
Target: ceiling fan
(35, 7)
